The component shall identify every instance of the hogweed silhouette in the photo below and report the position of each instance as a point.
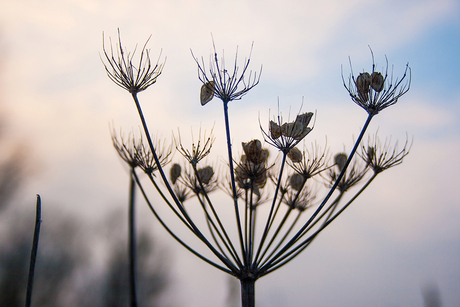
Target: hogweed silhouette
(268, 238)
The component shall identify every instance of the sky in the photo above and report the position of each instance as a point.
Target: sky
(399, 236)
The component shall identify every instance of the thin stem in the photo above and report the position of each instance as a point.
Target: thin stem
(132, 240)
(271, 215)
(301, 232)
(232, 179)
(297, 250)
(231, 272)
(194, 228)
(33, 253)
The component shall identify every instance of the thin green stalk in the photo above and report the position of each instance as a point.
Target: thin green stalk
(33, 253)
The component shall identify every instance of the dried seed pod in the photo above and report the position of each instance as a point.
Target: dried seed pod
(174, 173)
(304, 118)
(296, 181)
(295, 155)
(377, 81)
(292, 129)
(264, 155)
(205, 174)
(207, 92)
(275, 130)
(253, 151)
(363, 82)
(340, 159)
(261, 178)
(304, 133)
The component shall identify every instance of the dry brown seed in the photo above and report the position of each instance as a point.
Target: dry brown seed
(253, 151)
(363, 82)
(340, 160)
(295, 155)
(174, 173)
(377, 81)
(304, 118)
(205, 174)
(275, 130)
(296, 181)
(291, 129)
(305, 131)
(207, 92)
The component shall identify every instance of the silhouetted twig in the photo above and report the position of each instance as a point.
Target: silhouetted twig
(33, 254)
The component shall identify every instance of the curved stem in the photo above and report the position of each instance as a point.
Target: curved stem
(231, 272)
(297, 250)
(33, 253)
(194, 228)
(301, 232)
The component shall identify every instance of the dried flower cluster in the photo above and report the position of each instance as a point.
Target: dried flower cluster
(374, 91)
(285, 136)
(270, 235)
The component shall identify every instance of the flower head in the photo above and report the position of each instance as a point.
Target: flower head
(381, 156)
(222, 83)
(353, 174)
(199, 150)
(374, 91)
(313, 162)
(285, 136)
(121, 70)
(134, 152)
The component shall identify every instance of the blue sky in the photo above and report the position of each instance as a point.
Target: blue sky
(401, 234)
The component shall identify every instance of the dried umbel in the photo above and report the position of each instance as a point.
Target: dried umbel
(262, 241)
(376, 91)
(252, 169)
(123, 72)
(380, 156)
(352, 175)
(200, 149)
(285, 136)
(227, 85)
(254, 152)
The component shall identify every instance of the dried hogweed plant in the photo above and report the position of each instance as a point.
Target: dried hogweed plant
(278, 208)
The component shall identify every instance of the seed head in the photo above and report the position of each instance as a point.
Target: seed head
(285, 136)
(121, 70)
(382, 156)
(375, 92)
